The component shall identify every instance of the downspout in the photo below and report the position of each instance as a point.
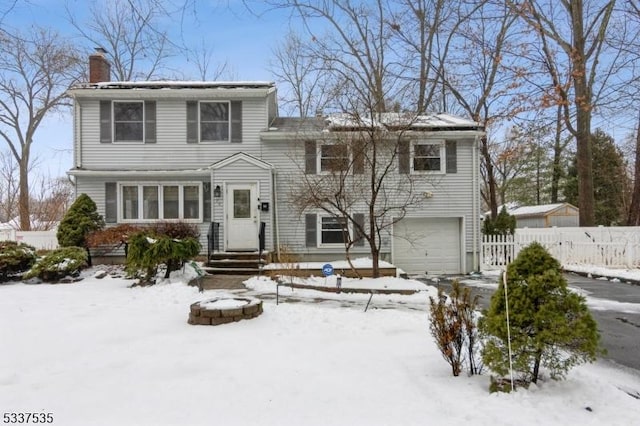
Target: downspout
(476, 196)
(274, 197)
(77, 134)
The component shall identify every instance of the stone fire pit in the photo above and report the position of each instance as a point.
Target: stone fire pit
(223, 310)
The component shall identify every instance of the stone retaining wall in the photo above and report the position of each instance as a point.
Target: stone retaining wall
(205, 312)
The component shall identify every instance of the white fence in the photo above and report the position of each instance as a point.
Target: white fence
(611, 247)
(41, 240)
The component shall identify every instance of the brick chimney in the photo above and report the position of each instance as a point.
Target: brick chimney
(99, 67)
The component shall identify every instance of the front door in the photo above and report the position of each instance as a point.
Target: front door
(242, 216)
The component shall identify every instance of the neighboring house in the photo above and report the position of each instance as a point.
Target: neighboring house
(546, 215)
(217, 155)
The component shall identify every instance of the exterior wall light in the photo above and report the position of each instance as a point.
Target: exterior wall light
(217, 192)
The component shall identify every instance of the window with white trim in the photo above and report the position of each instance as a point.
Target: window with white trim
(214, 121)
(333, 158)
(428, 157)
(332, 230)
(149, 202)
(128, 121)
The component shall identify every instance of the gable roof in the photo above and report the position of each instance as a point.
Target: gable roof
(241, 156)
(541, 210)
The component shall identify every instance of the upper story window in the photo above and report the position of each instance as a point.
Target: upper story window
(214, 121)
(333, 157)
(128, 121)
(428, 157)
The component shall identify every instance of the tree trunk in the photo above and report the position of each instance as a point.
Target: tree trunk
(491, 179)
(23, 198)
(536, 367)
(633, 218)
(556, 171)
(583, 120)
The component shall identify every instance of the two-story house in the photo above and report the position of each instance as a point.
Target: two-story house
(217, 155)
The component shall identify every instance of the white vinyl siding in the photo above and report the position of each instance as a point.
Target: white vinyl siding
(170, 150)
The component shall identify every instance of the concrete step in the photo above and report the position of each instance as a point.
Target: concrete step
(231, 271)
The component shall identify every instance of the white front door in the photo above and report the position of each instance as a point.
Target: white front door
(242, 216)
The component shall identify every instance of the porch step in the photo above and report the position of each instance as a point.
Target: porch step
(236, 263)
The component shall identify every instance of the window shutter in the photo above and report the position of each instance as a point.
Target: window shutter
(110, 202)
(358, 236)
(358, 160)
(403, 157)
(236, 121)
(310, 155)
(206, 204)
(311, 234)
(149, 121)
(451, 156)
(105, 122)
(192, 122)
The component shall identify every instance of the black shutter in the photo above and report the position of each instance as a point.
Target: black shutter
(236, 121)
(358, 236)
(150, 122)
(403, 157)
(110, 202)
(206, 201)
(192, 122)
(105, 122)
(451, 156)
(311, 235)
(310, 155)
(358, 158)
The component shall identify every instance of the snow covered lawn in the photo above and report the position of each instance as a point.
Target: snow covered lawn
(100, 353)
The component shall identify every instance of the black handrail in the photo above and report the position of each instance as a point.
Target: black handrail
(213, 239)
(261, 238)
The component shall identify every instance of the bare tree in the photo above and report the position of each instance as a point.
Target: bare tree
(301, 74)
(203, 59)
(633, 218)
(485, 79)
(50, 202)
(360, 173)
(577, 30)
(9, 187)
(35, 72)
(131, 32)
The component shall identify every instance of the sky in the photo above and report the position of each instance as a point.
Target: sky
(117, 355)
(243, 39)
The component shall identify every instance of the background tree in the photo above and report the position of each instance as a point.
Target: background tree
(36, 69)
(132, 32)
(81, 219)
(610, 181)
(550, 326)
(573, 34)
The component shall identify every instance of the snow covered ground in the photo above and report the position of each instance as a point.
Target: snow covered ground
(100, 353)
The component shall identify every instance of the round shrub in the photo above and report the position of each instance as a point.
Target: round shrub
(58, 264)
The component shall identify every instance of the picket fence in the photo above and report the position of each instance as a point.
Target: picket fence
(41, 240)
(611, 247)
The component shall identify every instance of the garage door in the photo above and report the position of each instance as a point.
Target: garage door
(427, 245)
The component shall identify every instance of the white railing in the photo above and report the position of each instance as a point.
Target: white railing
(612, 247)
(41, 240)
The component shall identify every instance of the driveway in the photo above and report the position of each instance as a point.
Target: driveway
(614, 305)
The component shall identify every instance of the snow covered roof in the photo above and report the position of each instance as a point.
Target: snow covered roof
(405, 120)
(540, 210)
(175, 84)
(390, 121)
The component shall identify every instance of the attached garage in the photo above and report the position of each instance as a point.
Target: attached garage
(428, 245)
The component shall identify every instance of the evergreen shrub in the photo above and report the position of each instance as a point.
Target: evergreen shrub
(550, 326)
(15, 258)
(59, 263)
